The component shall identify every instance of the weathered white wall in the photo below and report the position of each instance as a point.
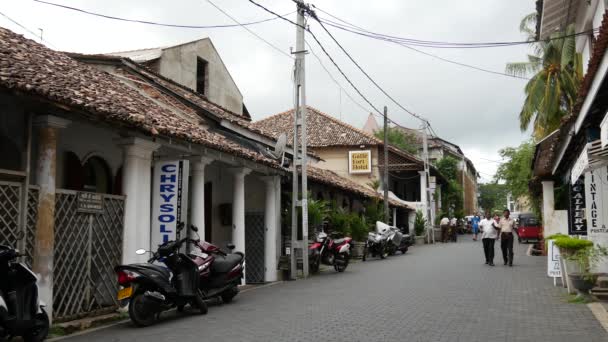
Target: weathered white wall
(221, 193)
(179, 64)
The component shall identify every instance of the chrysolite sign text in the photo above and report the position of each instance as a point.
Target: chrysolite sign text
(170, 199)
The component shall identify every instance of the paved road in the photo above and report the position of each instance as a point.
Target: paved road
(433, 293)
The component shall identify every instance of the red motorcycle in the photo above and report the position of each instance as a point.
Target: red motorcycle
(329, 251)
(220, 273)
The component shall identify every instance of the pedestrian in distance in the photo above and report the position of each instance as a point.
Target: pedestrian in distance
(488, 237)
(475, 226)
(444, 224)
(506, 225)
(453, 227)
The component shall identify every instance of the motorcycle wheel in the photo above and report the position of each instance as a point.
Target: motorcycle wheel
(137, 312)
(342, 268)
(200, 304)
(383, 252)
(40, 330)
(314, 264)
(229, 294)
(404, 250)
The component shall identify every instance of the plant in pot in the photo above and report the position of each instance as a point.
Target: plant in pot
(419, 226)
(568, 246)
(586, 259)
(318, 211)
(339, 220)
(359, 229)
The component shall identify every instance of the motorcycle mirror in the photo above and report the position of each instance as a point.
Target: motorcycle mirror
(194, 228)
(141, 251)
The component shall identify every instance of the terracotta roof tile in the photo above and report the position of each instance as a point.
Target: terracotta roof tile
(323, 130)
(34, 69)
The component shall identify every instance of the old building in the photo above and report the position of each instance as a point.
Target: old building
(357, 156)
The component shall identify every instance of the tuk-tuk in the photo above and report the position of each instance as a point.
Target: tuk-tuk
(529, 228)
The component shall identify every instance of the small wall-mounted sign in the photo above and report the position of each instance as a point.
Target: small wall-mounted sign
(90, 202)
(360, 161)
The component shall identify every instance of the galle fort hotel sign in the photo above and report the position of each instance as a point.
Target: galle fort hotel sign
(359, 162)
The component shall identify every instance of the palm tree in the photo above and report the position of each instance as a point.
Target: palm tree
(557, 74)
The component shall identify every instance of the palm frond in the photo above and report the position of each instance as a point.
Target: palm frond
(522, 69)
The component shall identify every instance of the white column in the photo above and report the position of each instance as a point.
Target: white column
(549, 208)
(238, 208)
(198, 194)
(271, 231)
(423, 194)
(411, 218)
(136, 180)
(44, 236)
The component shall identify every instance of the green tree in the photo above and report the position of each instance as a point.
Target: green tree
(493, 196)
(557, 72)
(451, 193)
(516, 171)
(400, 139)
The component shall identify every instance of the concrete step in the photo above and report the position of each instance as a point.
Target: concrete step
(600, 292)
(602, 282)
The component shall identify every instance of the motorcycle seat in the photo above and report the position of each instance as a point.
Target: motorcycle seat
(223, 264)
(339, 241)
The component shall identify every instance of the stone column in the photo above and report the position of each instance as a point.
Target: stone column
(238, 208)
(44, 247)
(271, 231)
(137, 183)
(198, 194)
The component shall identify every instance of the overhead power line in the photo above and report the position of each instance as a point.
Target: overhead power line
(248, 30)
(28, 30)
(439, 44)
(147, 22)
(424, 52)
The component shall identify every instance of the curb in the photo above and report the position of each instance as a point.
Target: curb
(113, 324)
(600, 313)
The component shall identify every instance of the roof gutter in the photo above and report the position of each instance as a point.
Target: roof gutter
(595, 86)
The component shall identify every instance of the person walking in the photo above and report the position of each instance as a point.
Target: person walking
(453, 227)
(506, 225)
(475, 226)
(488, 237)
(444, 223)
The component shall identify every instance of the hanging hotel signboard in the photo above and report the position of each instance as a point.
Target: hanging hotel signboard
(169, 199)
(359, 162)
(596, 198)
(577, 222)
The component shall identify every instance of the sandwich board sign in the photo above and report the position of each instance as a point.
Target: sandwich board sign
(554, 269)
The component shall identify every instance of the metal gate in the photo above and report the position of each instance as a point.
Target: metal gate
(11, 202)
(254, 248)
(87, 247)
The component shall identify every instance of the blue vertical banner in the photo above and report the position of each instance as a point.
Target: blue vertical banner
(169, 199)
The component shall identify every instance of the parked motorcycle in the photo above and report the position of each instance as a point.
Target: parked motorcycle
(220, 273)
(21, 312)
(384, 241)
(150, 289)
(393, 240)
(329, 251)
(406, 242)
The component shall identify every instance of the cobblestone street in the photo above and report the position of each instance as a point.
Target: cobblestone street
(433, 293)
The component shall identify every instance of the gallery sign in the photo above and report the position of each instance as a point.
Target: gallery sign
(596, 197)
(360, 161)
(170, 199)
(578, 224)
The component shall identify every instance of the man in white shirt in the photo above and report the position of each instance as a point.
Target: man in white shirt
(506, 225)
(444, 223)
(488, 237)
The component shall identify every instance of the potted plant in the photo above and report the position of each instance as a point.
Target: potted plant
(568, 246)
(583, 279)
(318, 211)
(419, 227)
(359, 230)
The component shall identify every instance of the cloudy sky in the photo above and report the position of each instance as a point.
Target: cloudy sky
(473, 109)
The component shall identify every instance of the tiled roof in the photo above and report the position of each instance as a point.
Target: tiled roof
(333, 179)
(34, 69)
(323, 130)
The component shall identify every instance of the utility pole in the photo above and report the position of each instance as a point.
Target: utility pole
(425, 155)
(385, 185)
(300, 157)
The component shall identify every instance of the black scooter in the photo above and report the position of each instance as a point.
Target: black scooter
(150, 289)
(21, 312)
